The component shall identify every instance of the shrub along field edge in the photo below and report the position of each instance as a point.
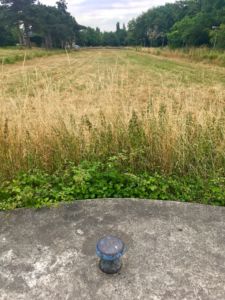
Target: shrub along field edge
(105, 180)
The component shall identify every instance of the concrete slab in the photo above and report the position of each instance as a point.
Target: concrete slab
(175, 251)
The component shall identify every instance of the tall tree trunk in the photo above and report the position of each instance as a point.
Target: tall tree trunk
(63, 45)
(27, 36)
(48, 41)
(20, 35)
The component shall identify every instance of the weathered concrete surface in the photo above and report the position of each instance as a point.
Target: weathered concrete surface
(175, 251)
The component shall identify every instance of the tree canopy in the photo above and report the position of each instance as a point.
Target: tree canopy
(94, 37)
(183, 23)
(27, 21)
(179, 24)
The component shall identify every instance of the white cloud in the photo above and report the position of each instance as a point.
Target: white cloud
(104, 14)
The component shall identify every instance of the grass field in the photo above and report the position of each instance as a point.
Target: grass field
(148, 113)
(12, 55)
(203, 54)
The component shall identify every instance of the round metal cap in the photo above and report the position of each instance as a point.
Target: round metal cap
(110, 248)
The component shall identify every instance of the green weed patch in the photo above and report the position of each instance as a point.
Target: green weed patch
(105, 180)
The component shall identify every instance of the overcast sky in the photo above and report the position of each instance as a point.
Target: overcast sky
(105, 13)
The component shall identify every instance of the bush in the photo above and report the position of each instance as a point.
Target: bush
(190, 31)
(105, 180)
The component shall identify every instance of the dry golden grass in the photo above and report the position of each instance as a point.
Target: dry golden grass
(160, 115)
(203, 54)
(12, 55)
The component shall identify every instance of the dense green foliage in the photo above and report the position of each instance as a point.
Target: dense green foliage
(7, 32)
(25, 22)
(183, 23)
(217, 37)
(105, 180)
(94, 37)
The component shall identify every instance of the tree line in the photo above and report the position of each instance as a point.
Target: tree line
(28, 21)
(184, 23)
(95, 37)
(180, 24)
